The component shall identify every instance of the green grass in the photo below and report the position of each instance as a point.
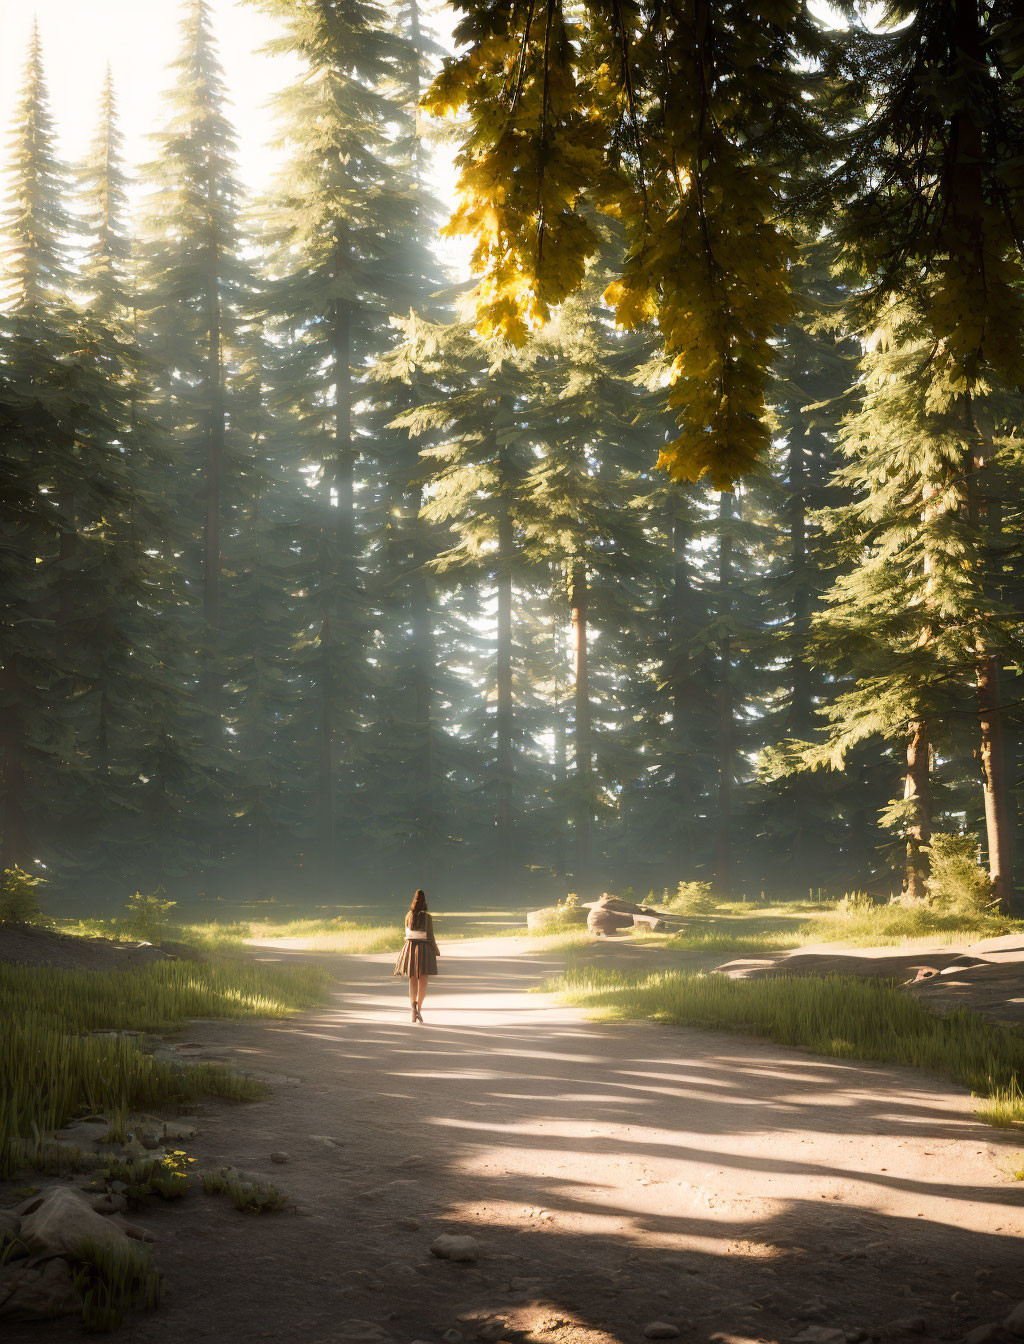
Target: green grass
(112, 1280)
(890, 925)
(52, 1067)
(843, 1016)
(739, 929)
(246, 1196)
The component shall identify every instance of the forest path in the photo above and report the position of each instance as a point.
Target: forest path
(613, 1174)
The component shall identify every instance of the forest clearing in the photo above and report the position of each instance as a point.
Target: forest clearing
(613, 1174)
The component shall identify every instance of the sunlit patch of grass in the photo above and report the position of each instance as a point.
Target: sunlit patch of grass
(722, 942)
(1004, 1108)
(890, 925)
(54, 1065)
(335, 935)
(843, 1016)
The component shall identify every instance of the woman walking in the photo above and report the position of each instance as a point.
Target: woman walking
(418, 958)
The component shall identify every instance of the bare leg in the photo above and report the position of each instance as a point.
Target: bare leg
(422, 993)
(414, 985)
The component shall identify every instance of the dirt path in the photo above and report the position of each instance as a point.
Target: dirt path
(613, 1175)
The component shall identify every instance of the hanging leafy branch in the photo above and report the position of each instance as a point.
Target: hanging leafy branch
(678, 120)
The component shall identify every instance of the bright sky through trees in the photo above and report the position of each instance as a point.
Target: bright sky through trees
(140, 38)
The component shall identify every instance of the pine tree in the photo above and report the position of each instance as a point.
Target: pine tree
(940, 95)
(193, 282)
(128, 602)
(580, 522)
(342, 227)
(474, 461)
(62, 449)
(803, 822)
(906, 616)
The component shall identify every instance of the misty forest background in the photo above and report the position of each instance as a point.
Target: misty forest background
(308, 588)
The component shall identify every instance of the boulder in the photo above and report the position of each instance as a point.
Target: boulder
(601, 920)
(661, 1330)
(62, 1219)
(452, 1246)
(32, 1290)
(1014, 1320)
(609, 914)
(992, 1333)
(361, 1332)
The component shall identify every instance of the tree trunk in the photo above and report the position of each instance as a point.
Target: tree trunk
(17, 846)
(683, 769)
(992, 755)
(801, 705)
(578, 602)
(503, 677)
(213, 477)
(329, 853)
(561, 750)
(337, 579)
(214, 463)
(917, 788)
(344, 457)
(984, 516)
(726, 709)
(423, 709)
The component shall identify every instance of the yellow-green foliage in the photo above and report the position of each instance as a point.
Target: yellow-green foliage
(18, 902)
(336, 935)
(843, 1016)
(1004, 1108)
(52, 1069)
(690, 899)
(148, 915)
(166, 1176)
(869, 925)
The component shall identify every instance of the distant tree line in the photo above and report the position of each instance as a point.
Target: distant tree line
(321, 575)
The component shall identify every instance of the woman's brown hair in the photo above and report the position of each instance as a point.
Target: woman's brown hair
(416, 918)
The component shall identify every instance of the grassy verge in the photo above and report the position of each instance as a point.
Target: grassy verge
(883, 925)
(739, 929)
(842, 1016)
(733, 929)
(52, 1066)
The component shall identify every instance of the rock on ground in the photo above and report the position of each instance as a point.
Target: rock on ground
(451, 1246)
(59, 1220)
(32, 1290)
(1014, 1320)
(362, 1332)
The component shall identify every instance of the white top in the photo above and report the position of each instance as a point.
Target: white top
(416, 933)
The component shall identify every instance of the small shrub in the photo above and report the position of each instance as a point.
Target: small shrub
(112, 1280)
(165, 1176)
(855, 904)
(18, 903)
(246, 1196)
(957, 881)
(692, 898)
(148, 915)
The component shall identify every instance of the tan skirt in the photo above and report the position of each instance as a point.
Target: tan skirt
(417, 957)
